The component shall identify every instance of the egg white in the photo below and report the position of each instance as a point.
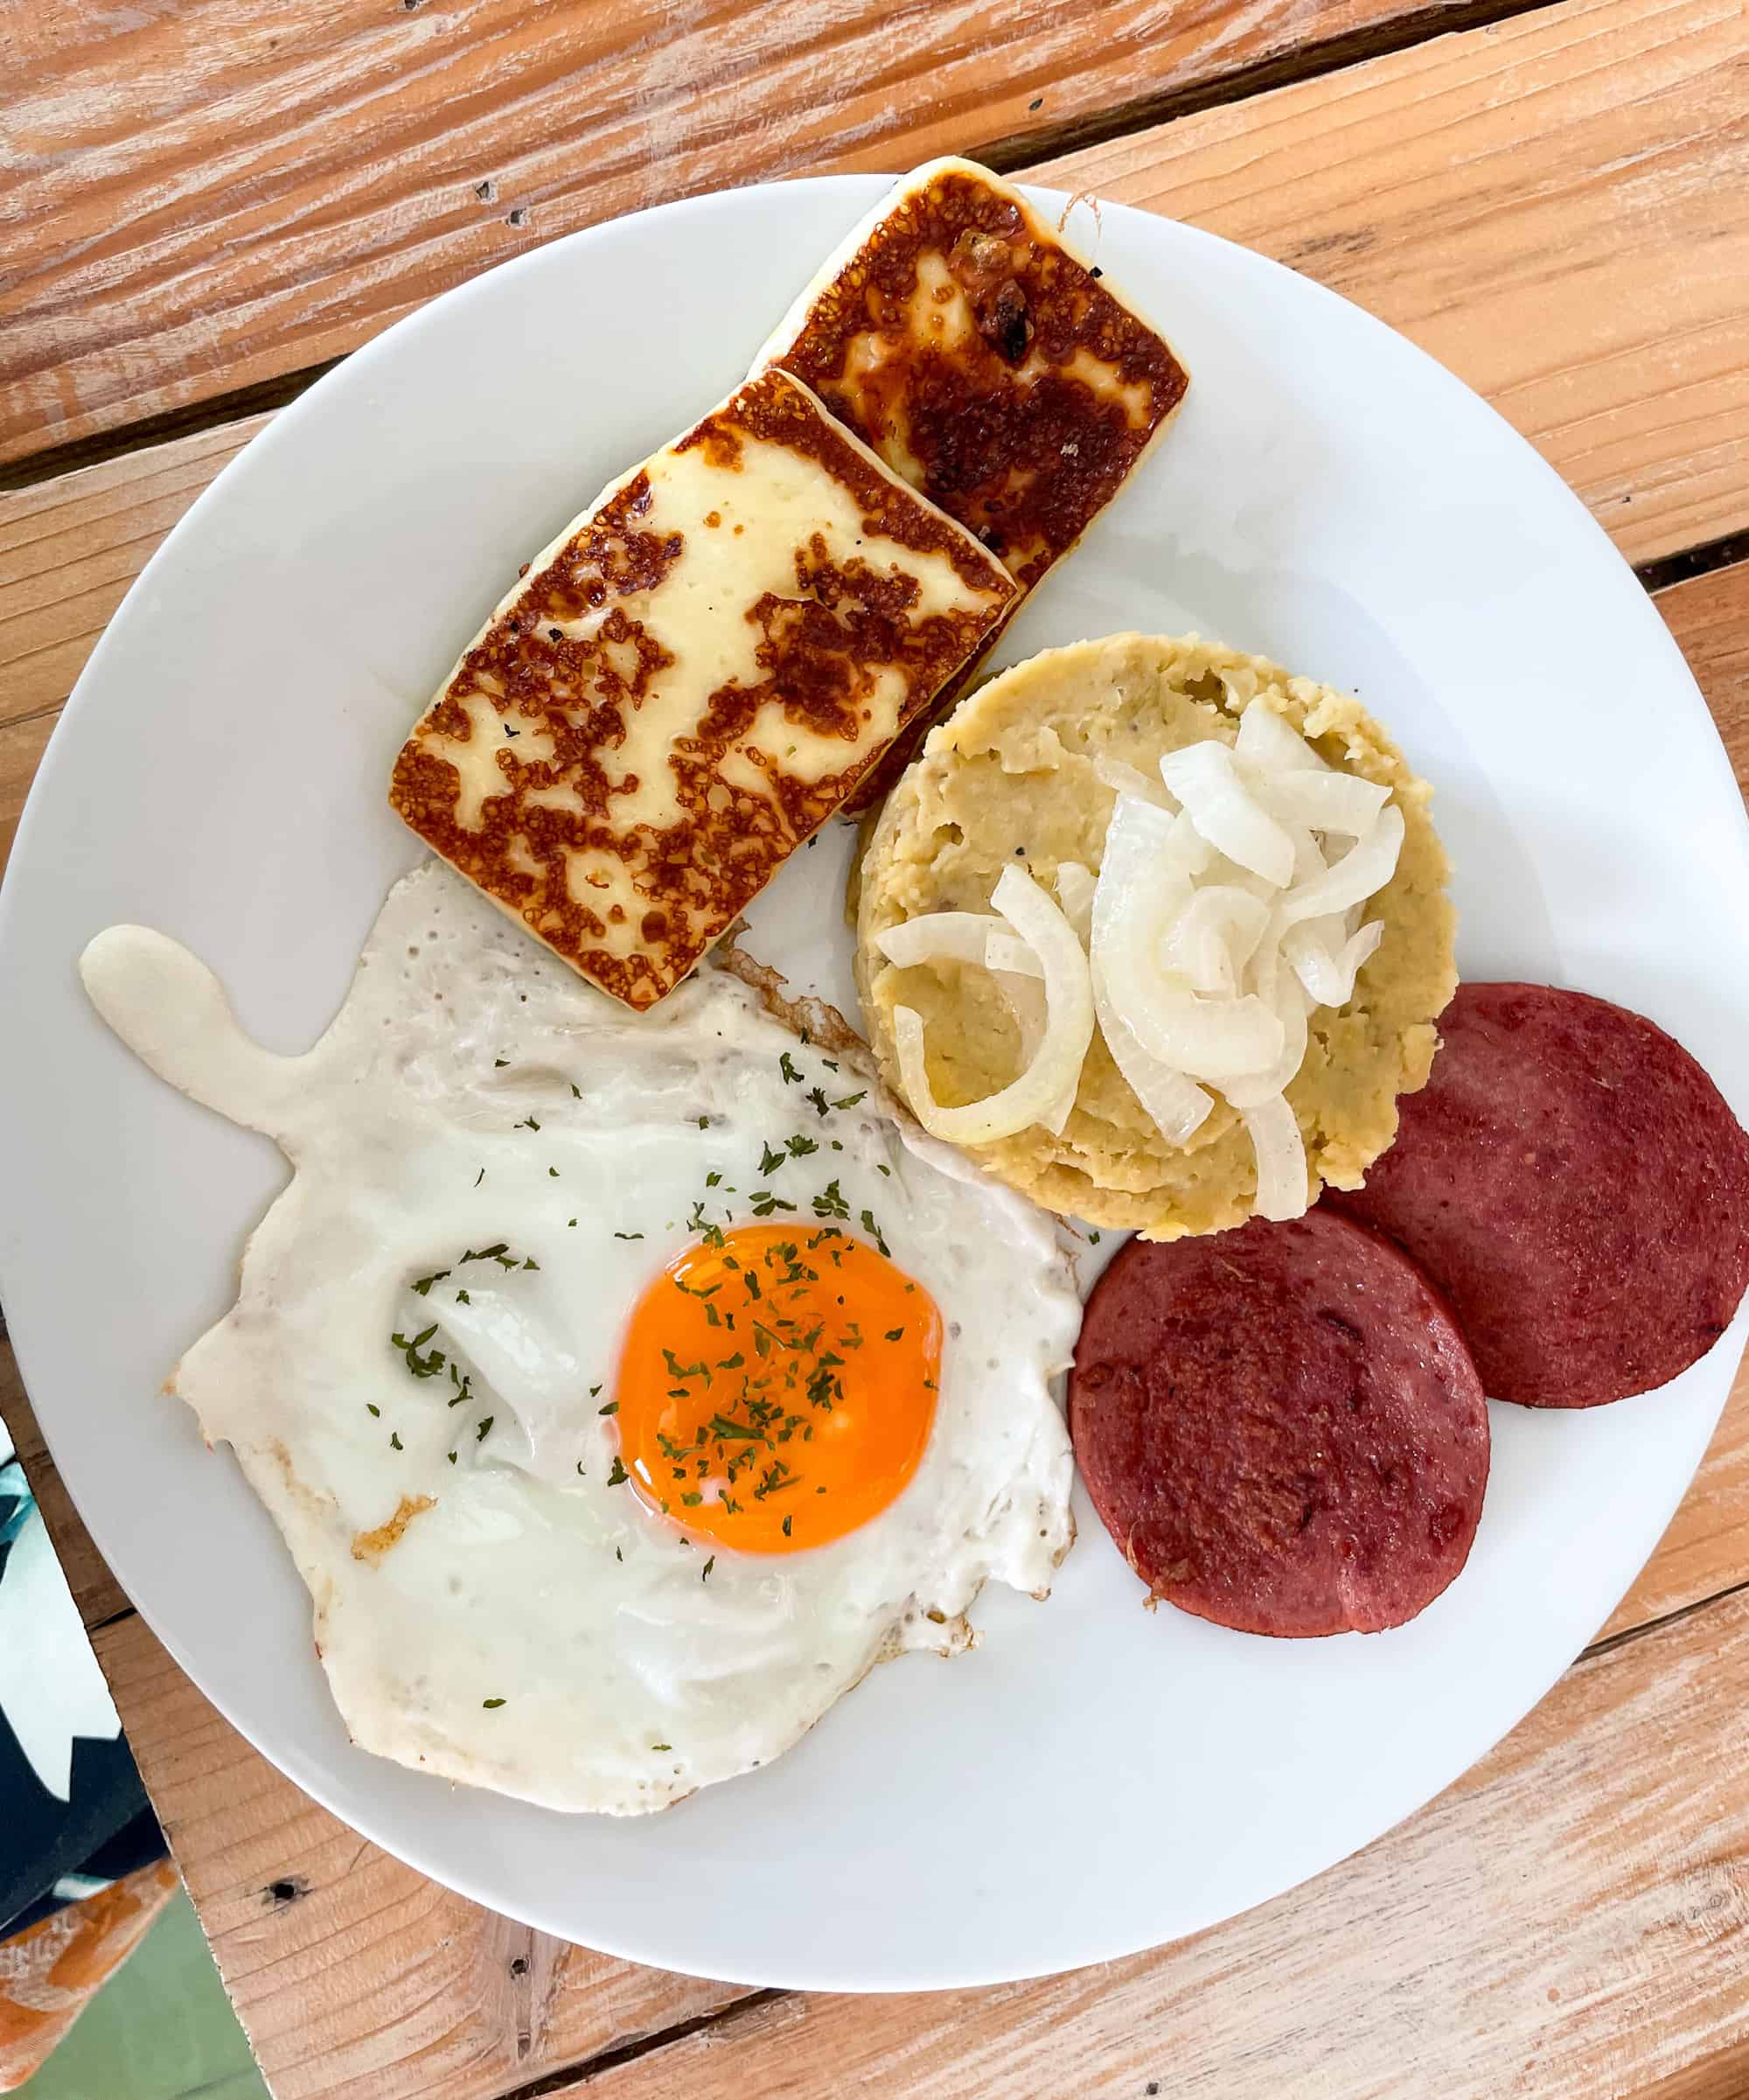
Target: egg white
(506, 1617)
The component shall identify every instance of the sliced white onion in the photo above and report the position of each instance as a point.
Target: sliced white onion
(1010, 955)
(1219, 1040)
(1224, 811)
(1322, 801)
(1024, 992)
(1308, 857)
(1273, 745)
(1327, 959)
(1074, 894)
(1173, 1103)
(1214, 936)
(1136, 902)
(1280, 991)
(1274, 1132)
(1055, 1067)
(940, 936)
(1363, 870)
(1124, 779)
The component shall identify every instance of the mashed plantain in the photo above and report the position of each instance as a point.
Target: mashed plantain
(1010, 777)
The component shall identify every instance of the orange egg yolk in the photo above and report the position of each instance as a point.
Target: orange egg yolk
(776, 1386)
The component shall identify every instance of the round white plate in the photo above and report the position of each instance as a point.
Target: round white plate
(1096, 1777)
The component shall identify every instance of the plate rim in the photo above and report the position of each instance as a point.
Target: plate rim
(858, 190)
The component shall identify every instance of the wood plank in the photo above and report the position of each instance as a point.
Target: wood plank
(70, 548)
(1709, 617)
(1569, 1921)
(354, 1976)
(1705, 1551)
(1553, 206)
(95, 1591)
(200, 198)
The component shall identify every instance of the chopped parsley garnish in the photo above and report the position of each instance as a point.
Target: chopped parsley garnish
(461, 1298)
(371, 1407)
(489, 1704)
(661, 1746)
(484, 1424)
(712, 1180)
(873, 1232)
(576, 1092)
(799, 1147)
(850, 1100)
(764, 1203)
(895, 1334)
(788, 1521)
(704, 1573)
(426, 1366)
(395, 1443)
(830, 1203)
(619, 1476)
(452, 1458)
(771, 1157)
(786, 1064)
(424, 1283)
(498, 1063)
(527, 1123)
(816, 1095)
(628, 1236)
(608, 1406)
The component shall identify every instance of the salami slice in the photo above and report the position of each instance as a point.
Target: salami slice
(1280, 1427)
(1577, 1186)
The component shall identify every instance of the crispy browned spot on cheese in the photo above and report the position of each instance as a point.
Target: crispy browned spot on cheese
(693, 681)
(372, 1544)
(989, 366)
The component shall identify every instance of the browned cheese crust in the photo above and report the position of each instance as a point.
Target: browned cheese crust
(690, 682)
(987, 365)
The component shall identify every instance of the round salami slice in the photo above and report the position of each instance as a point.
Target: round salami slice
(1577, 1186)
(1280, 1427)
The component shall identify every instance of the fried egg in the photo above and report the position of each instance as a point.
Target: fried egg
(624, 1387)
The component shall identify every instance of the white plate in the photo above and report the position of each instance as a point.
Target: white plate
(1096, 1778)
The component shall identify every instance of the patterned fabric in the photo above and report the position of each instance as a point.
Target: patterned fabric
(49, 1972)
(82, 1870)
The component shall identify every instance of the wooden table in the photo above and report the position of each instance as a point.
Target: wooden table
(203, 204)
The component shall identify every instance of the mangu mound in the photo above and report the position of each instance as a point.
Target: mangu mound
(1020, 776)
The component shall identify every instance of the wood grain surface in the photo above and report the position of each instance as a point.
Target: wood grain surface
(1607, 1959)
(1553, 205)
(1596, 1950)
(353, 1974)
(198, 199)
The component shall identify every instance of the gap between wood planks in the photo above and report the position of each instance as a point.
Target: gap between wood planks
(1011, 152)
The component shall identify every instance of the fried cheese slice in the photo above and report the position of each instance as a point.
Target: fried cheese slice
(960, 336)
(690, 681)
